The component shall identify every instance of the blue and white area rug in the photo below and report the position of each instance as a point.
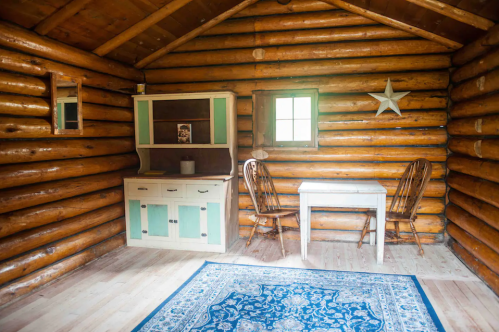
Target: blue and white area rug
(229, 297)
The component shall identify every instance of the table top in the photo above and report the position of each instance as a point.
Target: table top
(342, 187)
(182, 177)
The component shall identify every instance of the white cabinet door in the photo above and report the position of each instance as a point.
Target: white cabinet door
(191, 221)
(157, 220)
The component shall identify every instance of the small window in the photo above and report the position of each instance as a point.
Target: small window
(285, 118)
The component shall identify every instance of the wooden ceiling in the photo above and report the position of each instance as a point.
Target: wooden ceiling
(93, 25)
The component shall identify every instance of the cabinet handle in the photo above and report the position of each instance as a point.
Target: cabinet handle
(204, 234)
(144, 231)
(141, 188)
(171, 189)
(143, 206)
(203, 209)
(170, 221)
(175, 221)
(202, 192)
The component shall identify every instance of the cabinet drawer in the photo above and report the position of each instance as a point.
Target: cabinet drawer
(203, 191)
(175, 190)
(144, 189)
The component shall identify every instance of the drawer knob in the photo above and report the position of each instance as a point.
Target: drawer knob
(170, 221)
(203, 209)
(202, 192)
(175, 221)
(144, 231)
(204, 234)
(143, 206)
(142, 188)
(171, 189)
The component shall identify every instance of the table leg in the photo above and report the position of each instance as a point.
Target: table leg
(303, 225)
(380, 228)
(372, 235)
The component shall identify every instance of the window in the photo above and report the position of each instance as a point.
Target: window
(285, 119)
(68, 113)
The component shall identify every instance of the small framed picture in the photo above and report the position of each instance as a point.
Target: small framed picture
(184, 133)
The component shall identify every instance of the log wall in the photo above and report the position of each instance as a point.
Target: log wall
(473, 210)
(344, 56)
(61, 199)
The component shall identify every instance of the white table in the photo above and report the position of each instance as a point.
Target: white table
(346, 194)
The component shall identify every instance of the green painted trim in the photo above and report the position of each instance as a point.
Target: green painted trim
(60, 123)
(214, 223)
(220, 113)
(143, 121)
(157, 219)
(135, 220)
(189, 221)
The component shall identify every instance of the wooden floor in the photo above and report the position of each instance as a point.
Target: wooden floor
(117, 291)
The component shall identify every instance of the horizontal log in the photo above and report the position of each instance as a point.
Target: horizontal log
(436, 188)
(477, 126)
(262, 8)
(300, 52)
(477, 48)
(244, 123)
(487, 170)
(427, 205)
(486, 148)
(30, 239)
(36, 106)
(477, 67)
(476, 207)
(476, 227)
(361, 103)
(14, 37)
(298, 68)
(476, 87)
(482, 189)
(482, 271)
(476, 107)
(345, 236)
(327, 84)
(43, 276)
(350, 154)
(12, 152)
(244, 106)
(44, 171)
(344, 170)
(383, 137)
(244, 139)
(300, 21)
(24, 197)
(41, 128)
(387, 119)
(40, 215)
(40, 258)
(478, 249)
(31, 65)
(98, 96)
(295, 37)
(349, 222)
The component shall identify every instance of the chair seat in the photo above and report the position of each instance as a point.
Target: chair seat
(393, 216)
(278, 213)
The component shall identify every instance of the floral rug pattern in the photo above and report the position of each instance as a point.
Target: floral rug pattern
(243, 298)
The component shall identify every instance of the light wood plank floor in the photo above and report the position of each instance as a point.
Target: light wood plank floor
(117, 291)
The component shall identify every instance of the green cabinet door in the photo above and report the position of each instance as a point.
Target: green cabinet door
(220, 119)
(214, 224)
(143, 121)
(189, 221)
(157, 220)
(135, 221)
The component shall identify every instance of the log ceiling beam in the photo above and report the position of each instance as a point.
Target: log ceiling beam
(394, 23)
(193, 34)
(140, 27)
(455, 13)
(60, 16)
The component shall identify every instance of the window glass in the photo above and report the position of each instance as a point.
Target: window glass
(302, 108)
(283, 108)
(302, 130)
(284, 130)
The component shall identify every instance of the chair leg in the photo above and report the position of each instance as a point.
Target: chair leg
(364, 231)
(417, 238)
(397, 231)
(298, 220)
(252, 232)
(280, 237)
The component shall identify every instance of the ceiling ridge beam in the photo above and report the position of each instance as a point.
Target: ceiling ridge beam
(140, 27)
(193, 34)
(59, 16)
(455, 13)
(394, 23)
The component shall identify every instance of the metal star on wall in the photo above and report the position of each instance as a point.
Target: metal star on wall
(389, 99)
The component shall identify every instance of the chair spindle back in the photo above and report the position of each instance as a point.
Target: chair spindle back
(411, 187)
(260, 186)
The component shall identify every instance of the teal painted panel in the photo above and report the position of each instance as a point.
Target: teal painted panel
(143, 121)
(214, 224)
(135, 222)
(189, 221)
(60, 123)
(157, 219)
(220, 114)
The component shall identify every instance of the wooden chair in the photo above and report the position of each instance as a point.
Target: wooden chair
(405, 202)
(264, 196)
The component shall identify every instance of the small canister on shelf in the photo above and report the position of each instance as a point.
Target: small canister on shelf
(187, 165)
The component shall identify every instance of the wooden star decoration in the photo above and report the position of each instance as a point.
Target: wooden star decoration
(389, 99)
